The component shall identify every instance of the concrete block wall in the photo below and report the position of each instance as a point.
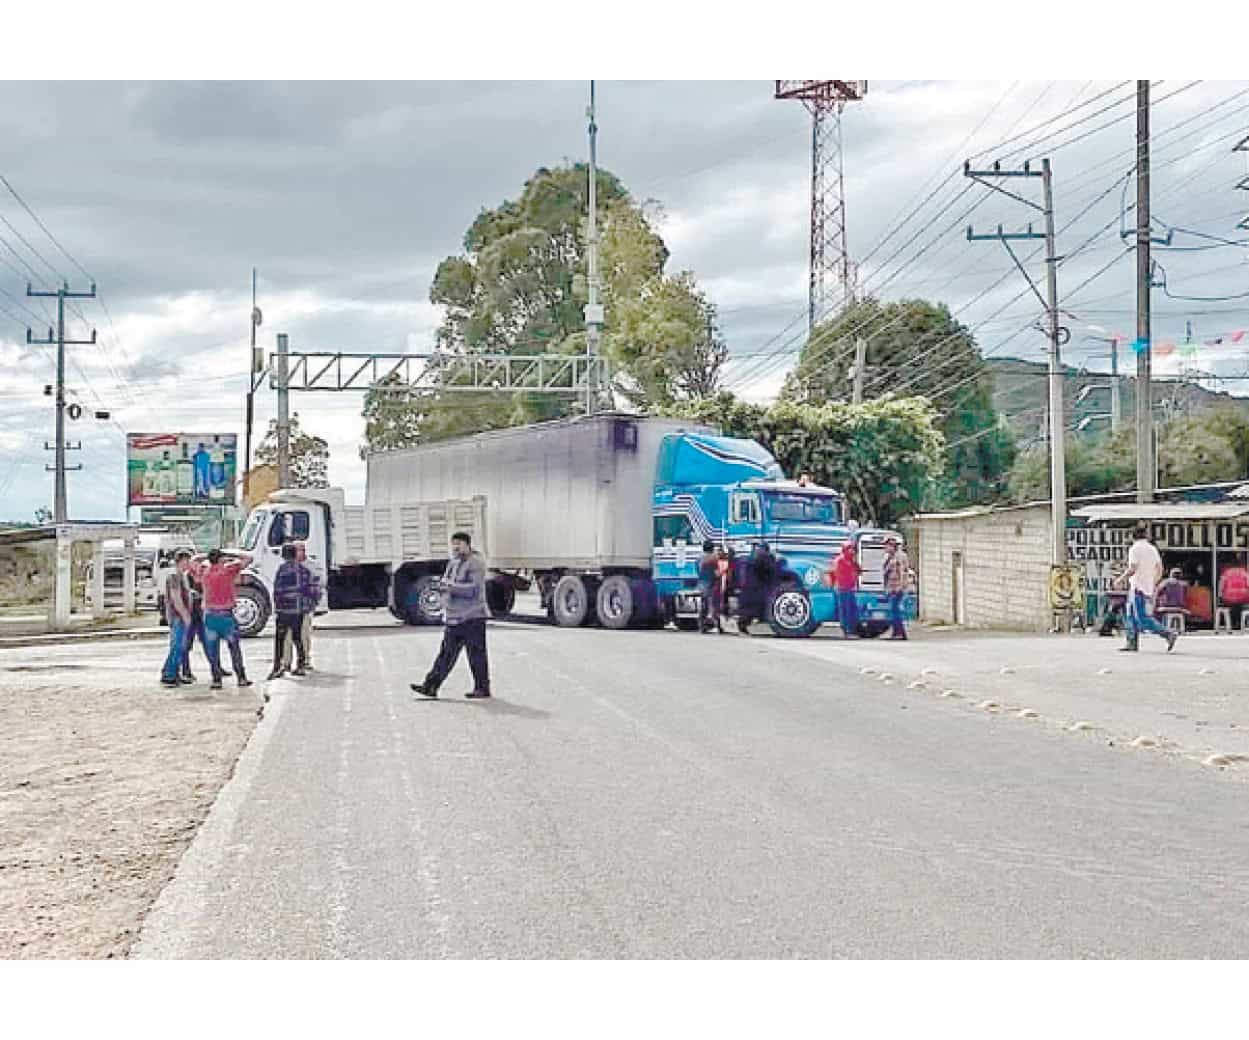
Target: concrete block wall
(1006, 561)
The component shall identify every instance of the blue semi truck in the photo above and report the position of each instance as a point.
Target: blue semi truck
(606, 516)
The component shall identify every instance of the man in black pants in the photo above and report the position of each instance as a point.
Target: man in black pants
(464, 617)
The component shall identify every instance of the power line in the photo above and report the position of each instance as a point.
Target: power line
(51, 237)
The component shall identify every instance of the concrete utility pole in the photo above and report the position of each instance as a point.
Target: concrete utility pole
(284, 412)
(1116, 417)
(594, 309)
(60, 504)
(1145, 467)
(860, 363)
(1057, 334)
(255, 370)
(1058, 425)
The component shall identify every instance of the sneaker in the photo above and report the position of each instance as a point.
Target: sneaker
(1129, 649)
(477, 694)
(244, 682)
(215, 684)
(1172, 639)
(173, 684)
(275, 674)
(184, 681)
(423, 690)
(226, 673)
(300, 671)
(188, 677)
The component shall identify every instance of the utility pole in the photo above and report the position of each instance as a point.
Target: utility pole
(284, 412)
(1056, 334)
(594, 309)
(60, 504)
(255, 373)
(1145, 467)
(1116, 416)
(860, 363)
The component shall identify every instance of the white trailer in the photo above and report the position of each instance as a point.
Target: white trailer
(569, 503)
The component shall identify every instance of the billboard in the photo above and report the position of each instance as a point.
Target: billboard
(187, 469)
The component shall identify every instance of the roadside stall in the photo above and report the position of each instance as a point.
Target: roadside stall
(1203, 541)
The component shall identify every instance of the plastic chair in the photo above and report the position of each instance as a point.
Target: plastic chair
(1174, 619)
(1223, 620)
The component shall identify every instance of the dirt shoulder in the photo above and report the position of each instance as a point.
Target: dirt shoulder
(104, 779)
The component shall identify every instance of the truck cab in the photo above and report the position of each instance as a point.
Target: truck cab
(733, 492)
(303, 515)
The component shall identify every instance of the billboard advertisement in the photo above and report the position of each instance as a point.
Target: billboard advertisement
(185, 469)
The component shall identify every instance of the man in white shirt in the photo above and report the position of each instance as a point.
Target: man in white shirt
(1144, 573)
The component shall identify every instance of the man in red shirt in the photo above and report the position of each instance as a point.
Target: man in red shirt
(1234, 590)
(845, 573)
(218, 575)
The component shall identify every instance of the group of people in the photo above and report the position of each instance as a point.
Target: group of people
(722, 573)
(199, 603)
(1139, 594)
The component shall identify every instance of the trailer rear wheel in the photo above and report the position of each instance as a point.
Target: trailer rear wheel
(616, 602)
(570, 602)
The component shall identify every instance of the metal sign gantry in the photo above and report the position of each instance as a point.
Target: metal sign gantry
(441, 372)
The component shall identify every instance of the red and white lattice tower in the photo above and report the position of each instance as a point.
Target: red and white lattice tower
(831, 270)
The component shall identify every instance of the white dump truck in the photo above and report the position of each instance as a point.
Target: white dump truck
(374, 555)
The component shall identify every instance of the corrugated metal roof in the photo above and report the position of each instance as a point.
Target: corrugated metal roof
(1130, 511)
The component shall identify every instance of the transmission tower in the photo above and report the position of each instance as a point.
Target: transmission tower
(830, 267)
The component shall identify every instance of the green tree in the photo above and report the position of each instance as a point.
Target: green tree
(1202, 449)
(310, 455)
(519, 287)
(883, 454)
(918, 348)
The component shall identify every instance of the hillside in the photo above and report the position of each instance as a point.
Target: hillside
(1020, 392)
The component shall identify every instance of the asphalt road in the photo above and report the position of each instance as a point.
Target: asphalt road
(659, 794)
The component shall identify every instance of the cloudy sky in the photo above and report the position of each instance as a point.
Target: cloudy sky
(347, 195)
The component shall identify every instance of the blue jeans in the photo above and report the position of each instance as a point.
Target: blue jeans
(173, 660)
(196, 628)
(1138, 619)
(848, 612)
(219, 625)
(895, 614)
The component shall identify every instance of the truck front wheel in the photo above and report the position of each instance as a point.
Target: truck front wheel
(423, 602)
(251, 611)
(790, 613)
(616, 605)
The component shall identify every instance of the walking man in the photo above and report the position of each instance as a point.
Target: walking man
(464, 619)
(311, 598)
(897, 574)
(845, 574)
(1143, 574)
(217, 573)
(178, 614)
(291, 587)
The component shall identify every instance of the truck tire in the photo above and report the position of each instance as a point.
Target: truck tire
(790, 613)
(251, 611)
(500, 598)
(570, 602)
(423, 602)
(872, 629)
(616, 603)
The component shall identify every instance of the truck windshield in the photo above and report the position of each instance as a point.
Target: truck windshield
(251, 531)
(817, 509)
